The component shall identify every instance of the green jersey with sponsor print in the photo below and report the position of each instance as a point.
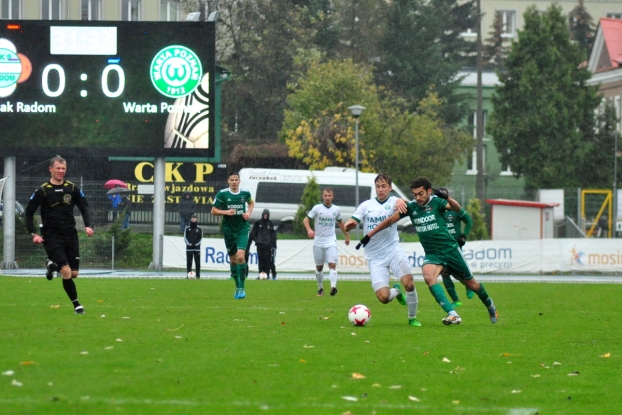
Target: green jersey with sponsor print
(225, 200)
(429, 222)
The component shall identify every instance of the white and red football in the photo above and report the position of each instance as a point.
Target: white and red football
(359, 315)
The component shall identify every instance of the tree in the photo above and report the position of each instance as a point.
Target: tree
(596, 167)
(259, 42)
(582, 28)
(311, 196)
(319, 130)
(494, 50)
(478, 231)
(422, 49)
(543, 109)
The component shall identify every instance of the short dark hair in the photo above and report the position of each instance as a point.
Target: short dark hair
(385, 177)
(58, 159)
(233, 173)
(421, 181)
(328, 189)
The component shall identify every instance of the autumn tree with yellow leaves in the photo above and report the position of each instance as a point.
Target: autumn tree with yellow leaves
(319, 129)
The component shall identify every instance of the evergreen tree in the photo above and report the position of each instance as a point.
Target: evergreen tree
(311, 196)
(582, 30)
(495, 52)
(543, 110)
(422, 49)
(478, 231)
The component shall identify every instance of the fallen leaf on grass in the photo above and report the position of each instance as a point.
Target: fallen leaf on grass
(413, 398)
(119, 340)
(535, 376)
(446, 360)
(302, 361)
(178, 337)
(606, 355)
(426, 353)
(347, 413)
(354, 334)
(103, 315)
(455, 402)
(125, 317)
(27, 363)
(308, 347)
(556, 364)
(357, 376)
(109, 347)
(8, 373)
(573, 373)
(84, 352)
(516, 391)
(349, 398)
(55, 306)
(16, 383)
(395, 387)
(323, 318)
(376, 385)
(174, 329)
(100, 301)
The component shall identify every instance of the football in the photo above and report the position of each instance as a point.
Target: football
(359, 315)
(191, 274)
(263, 276)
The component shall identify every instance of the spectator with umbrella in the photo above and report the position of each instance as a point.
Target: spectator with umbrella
(115, 197)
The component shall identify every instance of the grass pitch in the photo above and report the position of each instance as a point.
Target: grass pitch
(186, 346)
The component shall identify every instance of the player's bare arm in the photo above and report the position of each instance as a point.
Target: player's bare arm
(247, 214)
(310, 232)
(345, 232)
(384, 224)
(350, 224)
(222, 212)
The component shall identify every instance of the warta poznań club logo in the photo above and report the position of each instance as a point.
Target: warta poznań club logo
(176, 71)
(15, 68)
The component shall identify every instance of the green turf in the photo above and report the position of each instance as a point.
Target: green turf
(186, 346)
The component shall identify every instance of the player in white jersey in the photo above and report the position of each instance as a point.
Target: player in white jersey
(383, 253)
(325, 215)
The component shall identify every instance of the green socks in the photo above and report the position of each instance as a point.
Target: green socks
(483, 295)
(234, 275)
(439, 295)
(451, 288)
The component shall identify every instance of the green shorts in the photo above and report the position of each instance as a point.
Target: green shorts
(235, 241)
(455, 263)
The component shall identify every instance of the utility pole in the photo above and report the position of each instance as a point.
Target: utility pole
(479, 117)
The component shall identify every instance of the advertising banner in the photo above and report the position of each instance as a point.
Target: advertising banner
(484, 257)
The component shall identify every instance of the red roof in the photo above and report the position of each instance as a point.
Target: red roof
(521, 203)
(612, 32)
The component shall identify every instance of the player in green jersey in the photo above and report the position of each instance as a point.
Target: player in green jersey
(441, 249)
(454, 225)
(235, 205)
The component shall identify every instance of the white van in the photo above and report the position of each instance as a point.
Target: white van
(280, 191)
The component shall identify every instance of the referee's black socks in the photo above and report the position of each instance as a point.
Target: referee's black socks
(70, 289)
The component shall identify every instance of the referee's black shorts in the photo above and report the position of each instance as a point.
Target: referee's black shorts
(62, 246)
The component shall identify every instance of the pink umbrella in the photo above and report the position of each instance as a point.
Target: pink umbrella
(110, 184)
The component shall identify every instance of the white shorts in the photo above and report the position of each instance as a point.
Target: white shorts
(324, 254)
(380, 269)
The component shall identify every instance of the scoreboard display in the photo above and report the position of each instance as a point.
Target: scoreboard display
(107, 88)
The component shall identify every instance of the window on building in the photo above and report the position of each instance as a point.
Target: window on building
(91, 9)
(11, 9)
(508, 18)
(505, 168)
(614, 15)
(131, 10)
(53, 9)
(170, 10)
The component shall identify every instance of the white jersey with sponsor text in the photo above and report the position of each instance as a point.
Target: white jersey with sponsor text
(370, 213)
(325, 219)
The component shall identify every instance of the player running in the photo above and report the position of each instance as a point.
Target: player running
(325, 215)
(232, 203)
(441, 249)
(454, 226)
(384, 253)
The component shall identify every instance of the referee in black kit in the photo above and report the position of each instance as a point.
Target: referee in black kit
(59, 236)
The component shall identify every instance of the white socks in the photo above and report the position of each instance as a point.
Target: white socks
(412, 301)
(319, 276)
(333, 277)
